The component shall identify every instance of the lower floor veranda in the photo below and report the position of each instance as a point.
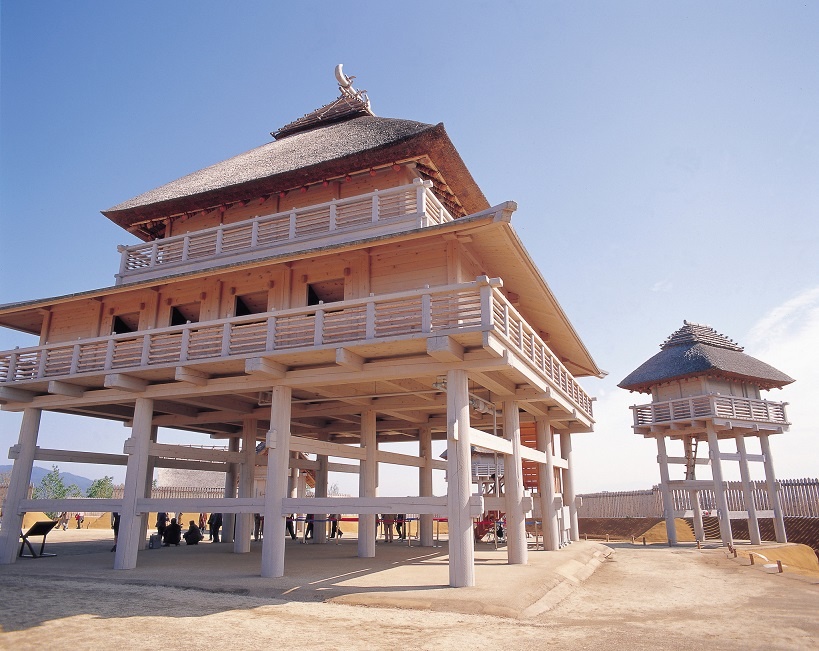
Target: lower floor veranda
(273, 414)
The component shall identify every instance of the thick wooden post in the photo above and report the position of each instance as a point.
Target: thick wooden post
(368, 484)
(569, 495)
(668, 502)
(517, 551)
(18, 486)
(231, 477)
(459, 482)
(278, 465)
(136, 447)
(425, 483)
(548, 512)
(748, 492)
(149, 480)
(699, 530)
(773, 489)
(719, 487)
(247, 470)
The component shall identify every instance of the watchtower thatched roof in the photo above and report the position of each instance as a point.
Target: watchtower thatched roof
(696, 350)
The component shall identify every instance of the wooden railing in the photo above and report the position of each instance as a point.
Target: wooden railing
(517, 332)
(467, 307)
(408, 206)
(710, 406)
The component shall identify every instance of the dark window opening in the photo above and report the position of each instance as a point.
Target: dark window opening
(326, 291)
(182, 314)
(125, 323)
(251, 304)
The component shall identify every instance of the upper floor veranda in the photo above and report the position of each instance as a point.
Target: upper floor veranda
(371, 214)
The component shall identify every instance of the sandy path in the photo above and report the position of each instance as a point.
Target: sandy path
(643, 598)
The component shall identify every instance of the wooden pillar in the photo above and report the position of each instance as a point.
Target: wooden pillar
(320, 525)
(569, 496)
(247, 470)
(149, 481)
(278, 466)
(517, 551)
(459, 482)
(231, 477)
(719, 487)
(368, 484)
(425, 483)
(301, 493)
(773, 489)
(546, 476)
(699, 530)
(668, 501)
(18, 485)
(136, 447)
(748, 492)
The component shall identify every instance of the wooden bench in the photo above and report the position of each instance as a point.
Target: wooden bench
(37, 529)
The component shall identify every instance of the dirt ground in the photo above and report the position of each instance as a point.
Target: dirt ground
(652, 597)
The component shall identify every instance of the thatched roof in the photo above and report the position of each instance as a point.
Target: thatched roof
(696, 350)
(328, 149)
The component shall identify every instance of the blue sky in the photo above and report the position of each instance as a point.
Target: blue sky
(664, 157)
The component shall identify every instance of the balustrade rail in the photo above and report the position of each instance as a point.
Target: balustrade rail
(467, 307)
(710, 406)
(410, 205)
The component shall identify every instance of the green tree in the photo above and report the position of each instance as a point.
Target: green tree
(52, 487)
(103, 488)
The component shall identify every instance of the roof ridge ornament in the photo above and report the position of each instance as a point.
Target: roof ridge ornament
(345, 85)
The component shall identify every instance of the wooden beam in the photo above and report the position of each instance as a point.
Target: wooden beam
(175, 408)
(266, 367)
(490, 442)
(76, 456)
(191, 376)
(198, 454)
(125, 382)
(65, 389)
(495, 382)
(349, 359)
(312, 446)
(362, 505)
(445, 349)
(10, 394)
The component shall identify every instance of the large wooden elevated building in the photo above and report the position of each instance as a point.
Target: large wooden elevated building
(344, 285)
(704, 388)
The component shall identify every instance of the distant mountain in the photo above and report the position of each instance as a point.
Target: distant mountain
(37, 474)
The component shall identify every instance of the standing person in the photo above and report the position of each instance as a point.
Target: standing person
(161, 524)
(202, 520)
(258, 527)
(215, 523)
(80, 518)
(400, 525)
(335, 528)
(289, 524)
(115, 527)
(63, 521)
(389, 520)
(308, 531)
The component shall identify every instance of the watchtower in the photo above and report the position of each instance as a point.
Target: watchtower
(704, 388)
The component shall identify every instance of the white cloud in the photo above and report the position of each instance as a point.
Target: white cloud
(662, 286)
(787, 337)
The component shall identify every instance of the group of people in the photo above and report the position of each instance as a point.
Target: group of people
(398, 521)
(334, 519)
(170, 531)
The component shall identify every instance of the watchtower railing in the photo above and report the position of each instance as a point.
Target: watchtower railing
(390, 210)
(710, 406)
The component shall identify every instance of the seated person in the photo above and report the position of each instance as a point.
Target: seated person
(173, 534)
(193, 535)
